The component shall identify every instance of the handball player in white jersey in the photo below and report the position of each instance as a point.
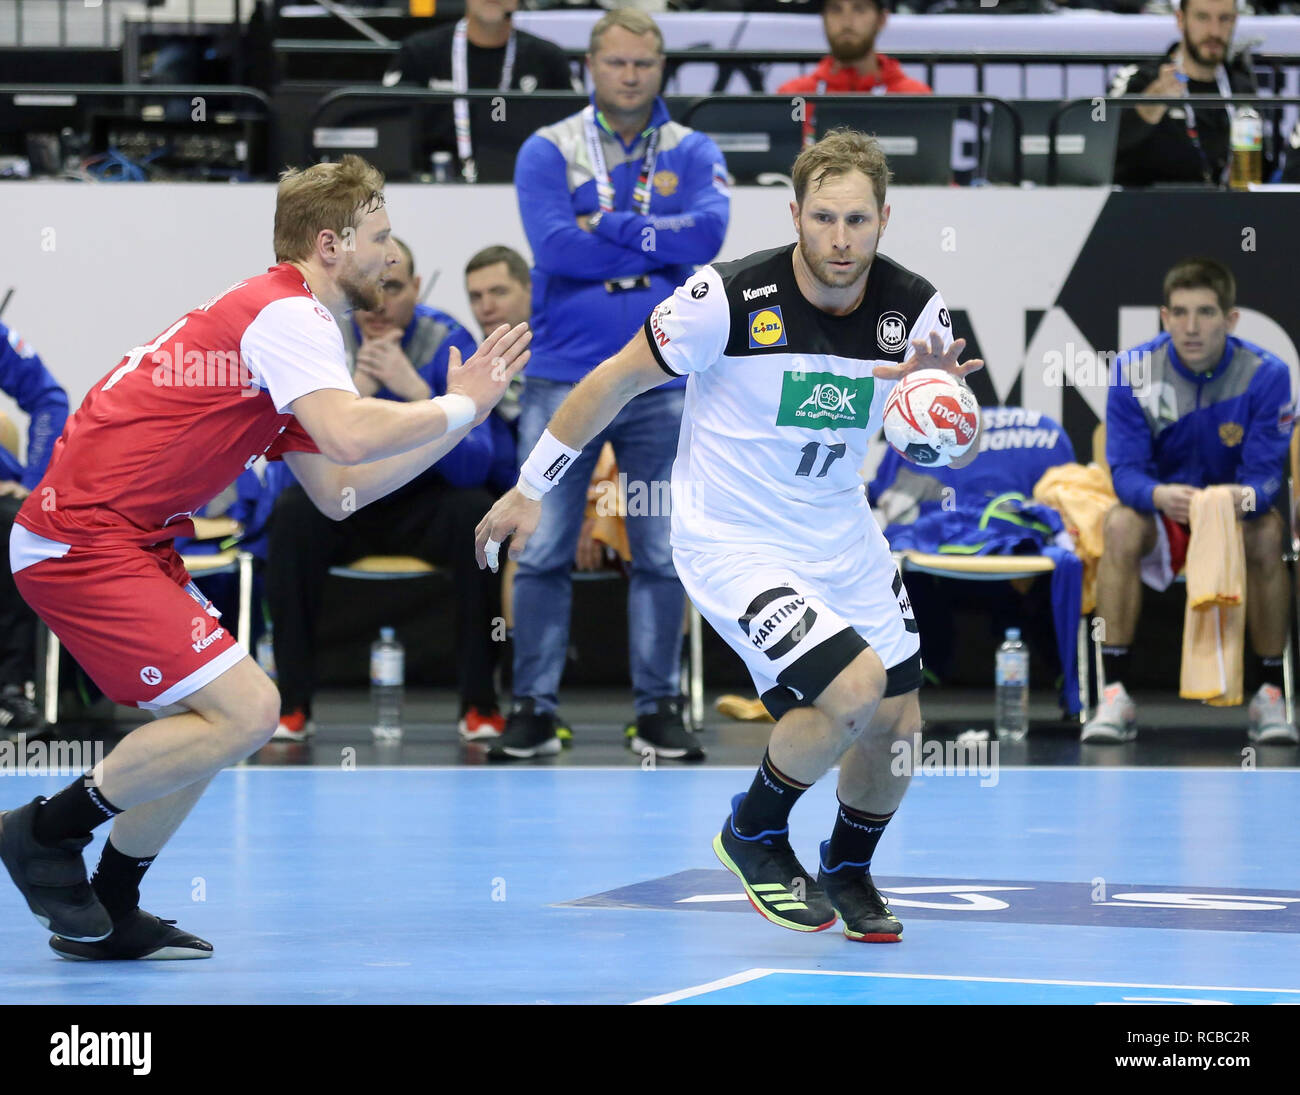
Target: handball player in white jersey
(259, 370)
(791, 354)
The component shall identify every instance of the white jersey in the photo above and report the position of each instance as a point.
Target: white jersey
(781, 402)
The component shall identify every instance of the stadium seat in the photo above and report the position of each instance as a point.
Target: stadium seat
(396, 567)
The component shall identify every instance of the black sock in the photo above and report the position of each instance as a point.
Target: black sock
(766, 808)
(116, 881)
(1114, 663)
(854, 838)
(73, 812)
(1270, 670)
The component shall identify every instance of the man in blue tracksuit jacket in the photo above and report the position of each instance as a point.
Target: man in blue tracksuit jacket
(28, 382)
(620, 204)
(1196, 407)
(399, 351)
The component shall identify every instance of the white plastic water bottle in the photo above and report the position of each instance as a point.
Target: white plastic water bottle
(387, 677)
(1011, 717)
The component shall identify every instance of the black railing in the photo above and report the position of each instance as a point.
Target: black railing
(1130, 102)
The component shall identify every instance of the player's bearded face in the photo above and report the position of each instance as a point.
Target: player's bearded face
(839, 230)
(851, 28)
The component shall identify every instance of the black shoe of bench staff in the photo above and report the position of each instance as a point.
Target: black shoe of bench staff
(527, 735)
(138, 935)
(52, 879)
(663, 732)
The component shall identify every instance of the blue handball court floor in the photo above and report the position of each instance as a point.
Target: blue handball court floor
(599, 885)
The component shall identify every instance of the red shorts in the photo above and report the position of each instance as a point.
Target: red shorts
(131, 616)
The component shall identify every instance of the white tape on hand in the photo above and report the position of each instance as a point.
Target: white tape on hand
(492, 551)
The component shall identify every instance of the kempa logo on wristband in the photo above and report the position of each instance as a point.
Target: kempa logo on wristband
(546, 465)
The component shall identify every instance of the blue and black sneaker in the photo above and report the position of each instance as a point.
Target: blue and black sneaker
(776, 885)
(865, 913)
(528, 734)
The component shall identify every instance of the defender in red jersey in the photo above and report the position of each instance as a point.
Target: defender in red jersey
(258, 370)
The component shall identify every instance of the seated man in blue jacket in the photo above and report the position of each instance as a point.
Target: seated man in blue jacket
(620, 204)
(25, 380)
(1193, 408)
(399, 351)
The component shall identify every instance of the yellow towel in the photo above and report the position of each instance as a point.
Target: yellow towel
(1082, 495)
(1214, 629)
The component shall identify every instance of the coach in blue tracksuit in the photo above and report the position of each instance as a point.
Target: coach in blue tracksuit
(28, 382)
(1194, 408)
(620, 205)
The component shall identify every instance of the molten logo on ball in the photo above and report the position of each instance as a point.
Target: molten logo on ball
(945, 410)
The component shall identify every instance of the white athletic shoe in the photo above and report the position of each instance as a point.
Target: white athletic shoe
(1268, 725)
(1113, 722)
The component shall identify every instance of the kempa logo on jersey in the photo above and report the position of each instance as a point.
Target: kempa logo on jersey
(766, 328)
(825, 401)
(759, 293)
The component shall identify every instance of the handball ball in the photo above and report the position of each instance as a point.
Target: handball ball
(931, 418)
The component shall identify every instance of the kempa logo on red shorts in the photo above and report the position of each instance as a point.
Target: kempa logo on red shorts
(203, 644)
(151, 674)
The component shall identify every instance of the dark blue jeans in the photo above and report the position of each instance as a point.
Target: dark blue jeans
(644, 436)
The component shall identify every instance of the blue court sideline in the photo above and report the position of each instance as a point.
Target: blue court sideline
(469, 885)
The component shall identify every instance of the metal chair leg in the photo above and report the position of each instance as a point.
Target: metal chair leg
(696, 682)
(1082, 657)
(246, 601)
(50, 683)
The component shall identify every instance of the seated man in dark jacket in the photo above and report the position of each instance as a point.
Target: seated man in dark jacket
(400, 351)
(1179, 144)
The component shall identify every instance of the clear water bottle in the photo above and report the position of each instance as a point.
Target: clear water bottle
(1011, 718)
(387, 676)
(441, 162)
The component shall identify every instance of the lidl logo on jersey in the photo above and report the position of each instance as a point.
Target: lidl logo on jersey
(825, 401)
(766, 328)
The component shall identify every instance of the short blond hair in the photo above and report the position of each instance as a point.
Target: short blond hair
(331, 196)
(631, 20)
(838, 153)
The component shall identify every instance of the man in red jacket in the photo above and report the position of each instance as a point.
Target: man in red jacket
(854, 65)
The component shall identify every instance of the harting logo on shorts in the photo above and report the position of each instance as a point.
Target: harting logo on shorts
(777, 620)
(825, 401)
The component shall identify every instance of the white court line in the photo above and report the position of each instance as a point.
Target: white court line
(755, 974)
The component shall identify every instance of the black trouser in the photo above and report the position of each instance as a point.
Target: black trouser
(17, 621)
(426, 519)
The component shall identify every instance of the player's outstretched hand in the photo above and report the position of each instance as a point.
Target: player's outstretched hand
(513, 515)
(485, 376)
(931, 355)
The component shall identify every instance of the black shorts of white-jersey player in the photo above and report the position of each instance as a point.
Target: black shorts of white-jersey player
(791, 355)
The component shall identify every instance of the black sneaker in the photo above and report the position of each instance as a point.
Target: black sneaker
(663, 733)
(866, 914)
(563, 731)
(52, 879)
(527, 735)
(138, 935)
(776, 885)
(18, 715)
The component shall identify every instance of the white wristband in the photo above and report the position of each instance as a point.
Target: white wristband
(546, 464)
(459, 410)
(529, 491)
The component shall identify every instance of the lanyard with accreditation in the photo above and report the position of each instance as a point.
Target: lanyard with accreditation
(605, 186)
(1225, 89)
(460, 82)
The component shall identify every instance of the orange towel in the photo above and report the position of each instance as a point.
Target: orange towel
(1214, 629)
(606, 505)
(1082, 495)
